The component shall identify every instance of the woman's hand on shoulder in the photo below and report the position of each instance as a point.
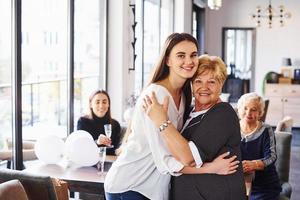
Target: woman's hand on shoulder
(104, 140)
(222, 165)
(157, 112)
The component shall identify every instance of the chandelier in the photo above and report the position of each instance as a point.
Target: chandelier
(270, 13)
(214, 4)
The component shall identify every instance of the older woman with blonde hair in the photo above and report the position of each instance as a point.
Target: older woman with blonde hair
(212, 129)
(258, 148)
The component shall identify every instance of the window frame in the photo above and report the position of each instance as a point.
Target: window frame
(16, 81)
(140, 85)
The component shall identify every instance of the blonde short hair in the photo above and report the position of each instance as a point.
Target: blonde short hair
(212, 64)
(251, 97)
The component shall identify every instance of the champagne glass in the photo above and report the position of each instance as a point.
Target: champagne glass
(107, 129)
(102, 157)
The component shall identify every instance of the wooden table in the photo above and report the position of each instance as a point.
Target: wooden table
(83, 179)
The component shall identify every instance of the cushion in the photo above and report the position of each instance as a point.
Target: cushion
(285, 124)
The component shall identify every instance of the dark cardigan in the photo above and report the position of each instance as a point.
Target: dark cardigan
(213, 133)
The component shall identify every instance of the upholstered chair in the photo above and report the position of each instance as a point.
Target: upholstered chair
(283, 137)
(7, 154)
(36, 187)
(267, 101)
(12, 190)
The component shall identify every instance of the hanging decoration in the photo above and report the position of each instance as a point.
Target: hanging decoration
(270, 13)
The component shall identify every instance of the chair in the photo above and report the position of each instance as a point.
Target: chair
(267, 101)
(28, 152)
(123, 131)
(283, 150)
(36, 187)
(12, 190)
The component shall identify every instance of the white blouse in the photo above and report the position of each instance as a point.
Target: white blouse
(145, 164)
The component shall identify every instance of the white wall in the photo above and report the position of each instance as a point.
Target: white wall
(271, 44)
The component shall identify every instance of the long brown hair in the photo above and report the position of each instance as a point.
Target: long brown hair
(91, 113)
(162, 70)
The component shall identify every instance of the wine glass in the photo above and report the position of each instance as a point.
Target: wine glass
(102, 157)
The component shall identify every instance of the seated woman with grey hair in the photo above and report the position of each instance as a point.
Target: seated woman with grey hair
(258, 148)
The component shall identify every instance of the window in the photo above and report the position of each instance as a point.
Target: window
(157, 20)
(198, 26)
(166, 20)
(5, 72)
(44, 68)
(238, 51)
(45, 64)
(151, 36)
(89, 53)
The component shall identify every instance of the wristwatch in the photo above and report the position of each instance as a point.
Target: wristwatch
(164, 125)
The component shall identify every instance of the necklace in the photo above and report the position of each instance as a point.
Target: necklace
(246, 133)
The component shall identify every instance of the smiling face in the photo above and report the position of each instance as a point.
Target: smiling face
(250, 112)
(183, 60)
(250, 108)
(206, 90)
(99, 104)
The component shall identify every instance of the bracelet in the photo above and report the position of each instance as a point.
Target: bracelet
(256, 164)
(164, 125)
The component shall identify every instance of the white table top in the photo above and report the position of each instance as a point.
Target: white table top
(63, 170)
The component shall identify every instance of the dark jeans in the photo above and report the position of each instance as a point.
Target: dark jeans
(130, 195)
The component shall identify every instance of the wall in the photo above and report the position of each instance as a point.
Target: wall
(271, 44)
